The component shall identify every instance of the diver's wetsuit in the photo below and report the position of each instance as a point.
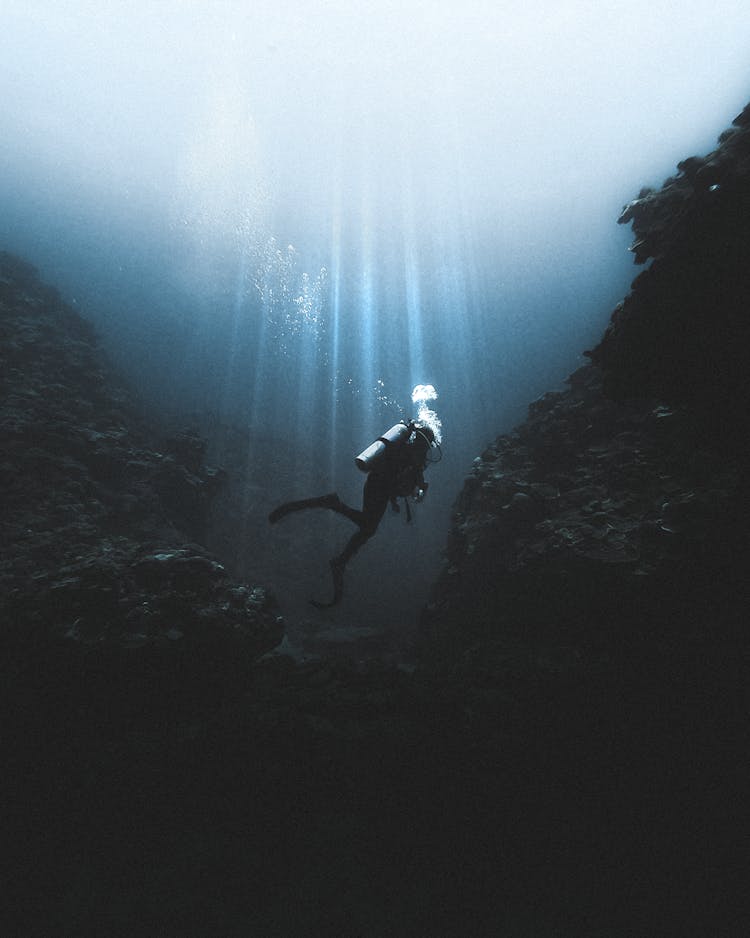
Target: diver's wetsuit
(399, 474)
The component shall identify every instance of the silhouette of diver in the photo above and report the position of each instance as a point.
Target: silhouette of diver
(395, 465)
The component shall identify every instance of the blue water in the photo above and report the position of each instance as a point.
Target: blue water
(286, 216)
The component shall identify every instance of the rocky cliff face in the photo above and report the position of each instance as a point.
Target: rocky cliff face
(594, 600)
(682, 333)
(98, 527)
(613, 522)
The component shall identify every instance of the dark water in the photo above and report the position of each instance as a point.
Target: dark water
(282, 220)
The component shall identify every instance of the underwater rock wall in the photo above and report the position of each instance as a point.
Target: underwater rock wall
(612, 523)
(682, 333)
(98, 527)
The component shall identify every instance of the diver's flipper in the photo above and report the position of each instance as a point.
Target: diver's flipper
(323, 501)
(283, 510)
(314, 602)
(337, 572)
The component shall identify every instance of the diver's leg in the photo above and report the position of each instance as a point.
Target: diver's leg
(374, 503)
(353, 514)
(331, 501)
(375, 499)
(339, 563)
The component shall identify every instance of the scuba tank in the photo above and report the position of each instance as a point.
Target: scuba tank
(375, 453)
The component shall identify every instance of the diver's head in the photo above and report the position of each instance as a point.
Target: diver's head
(424, 437)
(426, 442)
(428, 434)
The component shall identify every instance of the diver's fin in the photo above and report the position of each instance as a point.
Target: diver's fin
(314, 602)
(322, 501)
(278, 513)
(337, 572)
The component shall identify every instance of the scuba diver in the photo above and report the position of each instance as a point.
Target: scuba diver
(395, 465)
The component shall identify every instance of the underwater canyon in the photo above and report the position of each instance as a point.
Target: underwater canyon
(556, 748)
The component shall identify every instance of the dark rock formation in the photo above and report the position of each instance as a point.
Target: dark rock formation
(576, 534)
(597, 565)
(97, 527)
(682, 333)
(614, 520)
